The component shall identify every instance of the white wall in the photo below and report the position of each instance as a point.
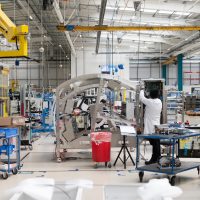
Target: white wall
(88, 63)
(188, 78)
(143, 70)
(148, 69)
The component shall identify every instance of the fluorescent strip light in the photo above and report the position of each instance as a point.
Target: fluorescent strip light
(149, 10)
(148, 42)
(139, 23)
(119, 8)
(182, 13)
(136, 46)
(110, 8)
(127, 9)
(165, 12)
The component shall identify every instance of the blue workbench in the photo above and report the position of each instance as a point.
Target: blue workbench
(172, 170)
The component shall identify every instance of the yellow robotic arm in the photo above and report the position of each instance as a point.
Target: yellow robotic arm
(14, 34)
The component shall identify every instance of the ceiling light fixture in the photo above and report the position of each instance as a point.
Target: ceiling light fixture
(133, 17)
(148, 10)
(182, 13)
(140, 23)
(165, 12)
(119, 8)
(41, 49)
(111, 8)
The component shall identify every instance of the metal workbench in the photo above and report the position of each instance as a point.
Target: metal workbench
(9, 164)
(172, 170)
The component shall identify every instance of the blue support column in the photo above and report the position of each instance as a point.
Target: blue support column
(180, 72)
(164, 73)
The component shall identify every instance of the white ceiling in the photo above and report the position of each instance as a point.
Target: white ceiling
(122, 12)
(150, 44)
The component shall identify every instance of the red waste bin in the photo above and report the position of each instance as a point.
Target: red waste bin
(101, 147)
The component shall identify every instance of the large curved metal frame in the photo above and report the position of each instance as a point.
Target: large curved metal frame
(69, 90)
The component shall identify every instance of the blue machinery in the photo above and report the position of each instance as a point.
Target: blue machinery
(38, 108)
(48, 101)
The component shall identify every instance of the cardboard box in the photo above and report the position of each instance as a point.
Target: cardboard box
(5, 121)
(12, 121)
(18, 121)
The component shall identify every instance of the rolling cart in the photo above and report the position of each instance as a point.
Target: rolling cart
(9, 165)
(171, 169)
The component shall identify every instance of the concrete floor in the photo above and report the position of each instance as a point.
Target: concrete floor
(41, 163)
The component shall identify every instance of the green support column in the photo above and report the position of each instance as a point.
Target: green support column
(164, 73)
(180, 72)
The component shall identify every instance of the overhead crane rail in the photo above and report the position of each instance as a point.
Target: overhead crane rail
(74, 28)
(172, 59)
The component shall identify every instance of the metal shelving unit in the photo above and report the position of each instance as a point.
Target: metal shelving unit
(7, 148)
(175, 105)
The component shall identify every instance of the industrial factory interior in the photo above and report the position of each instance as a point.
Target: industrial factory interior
(100, 99)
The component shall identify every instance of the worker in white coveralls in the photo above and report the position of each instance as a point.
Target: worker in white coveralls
(153, 108)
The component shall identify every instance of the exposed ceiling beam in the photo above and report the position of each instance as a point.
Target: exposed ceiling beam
(192, 53)
(164, 34)
(183, 43)
(101, 18)
(170, 60)
(40, 39)
(173, 5)
(144, 19)
(61, 19)
(188, 48)
(132, 41)
(130, 52)
(179, 6)
(24, 5)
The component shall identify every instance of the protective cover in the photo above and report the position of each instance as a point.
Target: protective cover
(167, 161)
(101, 136)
